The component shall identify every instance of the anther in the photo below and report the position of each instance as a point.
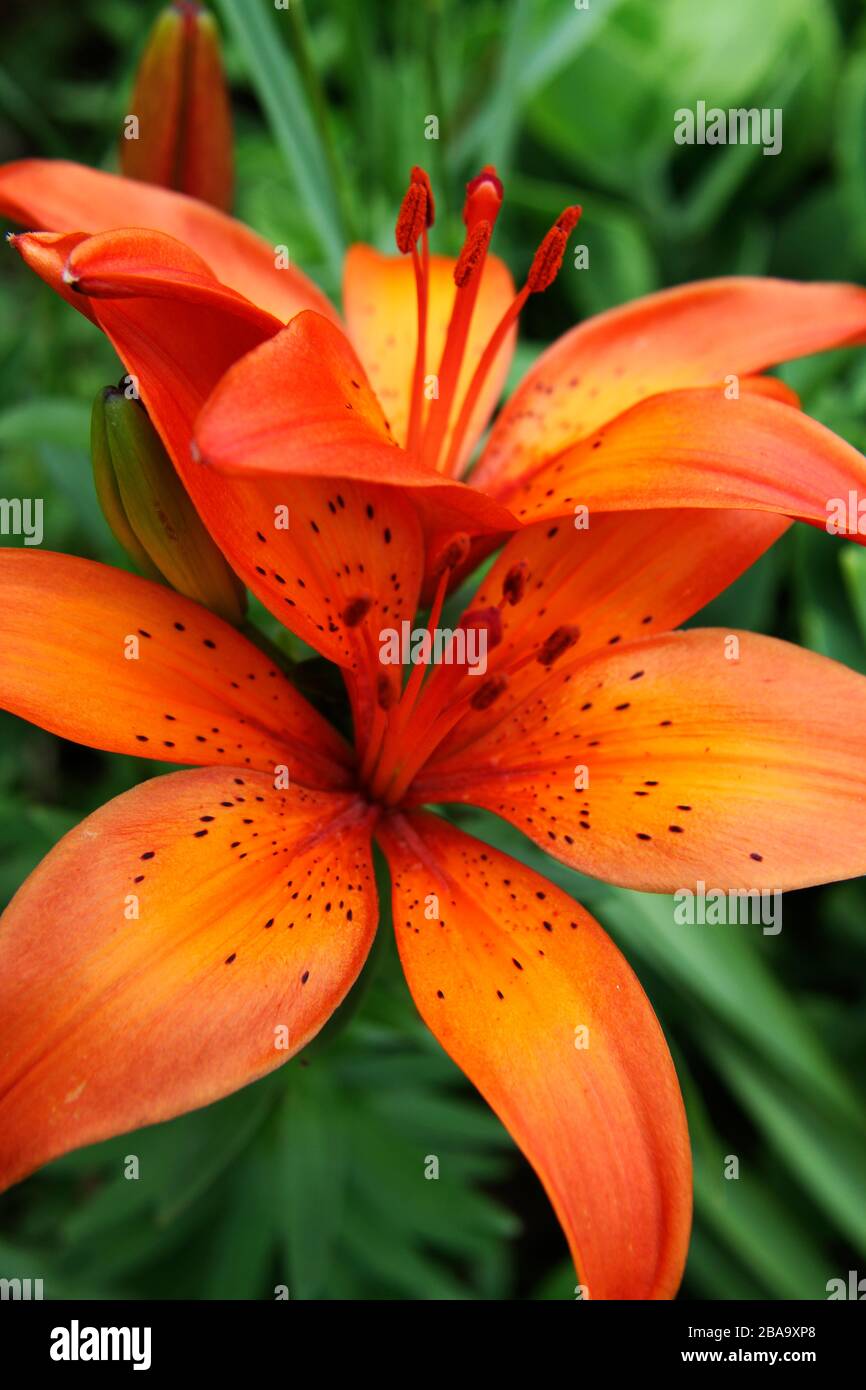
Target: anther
(487, 620)
(386, 694)
(514, 583)
(412, 217)
(473, 253)
(357, 609)
(453, 553)
(489, 691)
(548, 258)
(557, 643)
(420, 176)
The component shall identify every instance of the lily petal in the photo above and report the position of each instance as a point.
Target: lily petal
(54, 195)
(301, 403)
(116, 662)
(308, 547)
(184, 940)
(627, 575)
(133, 264)
(380, 303)
(713, 755)
(697, 449)
(693, 335)
(534, 1002)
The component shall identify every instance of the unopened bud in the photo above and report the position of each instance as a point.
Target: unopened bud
(179, 132)
(149, 511)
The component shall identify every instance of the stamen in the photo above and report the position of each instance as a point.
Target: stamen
(415, 216)
(474, 251)
(489, 691)
(559, 641)
(357, 609)
(452, 554)
(378, 768)
(412, 218)
(419, 175)
(480, 211)
(548, 258)
(514, 583)
(488, 620)
(386, 693)
(545, 267)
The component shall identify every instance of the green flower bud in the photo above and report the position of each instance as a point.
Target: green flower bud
(148, 509)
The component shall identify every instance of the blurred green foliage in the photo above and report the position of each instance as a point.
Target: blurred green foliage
(314, 1178)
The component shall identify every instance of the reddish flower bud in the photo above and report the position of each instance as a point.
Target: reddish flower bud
(178, 130)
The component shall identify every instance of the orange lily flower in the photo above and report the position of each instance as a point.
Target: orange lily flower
(256, 903)
(628, 411)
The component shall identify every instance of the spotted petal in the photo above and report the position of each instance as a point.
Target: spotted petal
(535, 1003)
(184, 940)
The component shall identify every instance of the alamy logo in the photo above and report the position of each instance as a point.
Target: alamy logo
(738, 126)
(22, 517)
(462, 646)
(77, 1343)
(855, 1288)
(714, 907)
(20, 1289)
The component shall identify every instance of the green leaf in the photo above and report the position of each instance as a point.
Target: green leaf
(281, 91)
(826, 1156)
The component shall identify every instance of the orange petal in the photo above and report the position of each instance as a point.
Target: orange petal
(693, 335)
(134, 264)
(182, 941)
(302, 403)
(534, 1002)
(626, 576)
(56, 196)
(727, 757)
(116, 662)
(324, 547)
(698, 449)
(380, 304)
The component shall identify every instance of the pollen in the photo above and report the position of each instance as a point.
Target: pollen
(473, 253)
(412, 218)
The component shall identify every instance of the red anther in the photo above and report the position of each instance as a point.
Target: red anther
(558, 642)
(484, 196)
(453, 553)
(548, 257)
(357, 609)
(412, 217)
(419, 175)
(473, 253)
(487, 620)
(489, 691)
(569, 218)
(386, 693)
(514, 583)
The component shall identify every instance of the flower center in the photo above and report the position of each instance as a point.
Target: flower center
(439, 438)
(448, 677)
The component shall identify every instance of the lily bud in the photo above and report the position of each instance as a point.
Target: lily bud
(147, 507)
(178, 131)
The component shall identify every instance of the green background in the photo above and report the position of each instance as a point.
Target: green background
(314, 1178)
